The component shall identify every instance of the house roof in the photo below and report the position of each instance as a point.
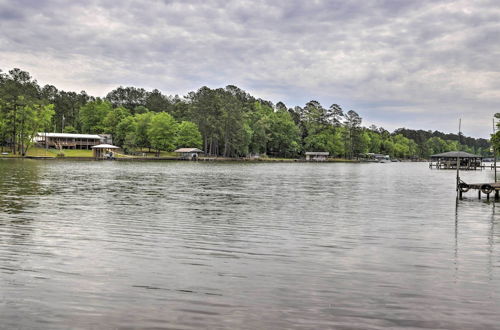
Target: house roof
(70, 135)
(188, 150)
(105, 146)
(455, 154)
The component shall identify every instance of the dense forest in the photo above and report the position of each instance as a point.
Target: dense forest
(223, 122)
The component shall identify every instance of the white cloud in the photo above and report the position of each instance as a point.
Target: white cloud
(398, 63)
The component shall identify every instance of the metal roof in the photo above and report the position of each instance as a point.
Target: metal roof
(188, 150)
(105, 146)
(455, 154)
(70, 135)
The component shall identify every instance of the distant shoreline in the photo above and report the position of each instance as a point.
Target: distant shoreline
(203, 160)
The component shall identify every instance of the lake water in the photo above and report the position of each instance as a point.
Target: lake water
(186, 245)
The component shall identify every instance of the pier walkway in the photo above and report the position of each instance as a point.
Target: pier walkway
(485, 188)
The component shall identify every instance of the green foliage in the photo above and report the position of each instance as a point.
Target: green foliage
(67, 107)
(127, 97)
(92, 116)
(162, 132)
(284, 135)
(3, 128)
(495, 141)
(140, 109)
(113, 118)
(125, 133)
(143, 123)
(70, 129)
(32, 118)
(223, 122)
(188, 135)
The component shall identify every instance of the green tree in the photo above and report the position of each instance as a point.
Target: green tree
(329, 139)
(257, 125)
(284, 135)
(17, 90)
(351, 137)
(128, 97)
(375, 141)
(436, 145)
(3, 130)
(143, 123)
(67, 106)
(70, 129)
(162, 132)
(188, 135)
(157, 102)
(125, 133)
(113, 118)
(92, 116)
(33, 118)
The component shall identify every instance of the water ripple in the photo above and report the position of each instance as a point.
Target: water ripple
(248, 246)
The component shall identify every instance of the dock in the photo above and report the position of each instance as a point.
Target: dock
(454, 167)
(484, 188)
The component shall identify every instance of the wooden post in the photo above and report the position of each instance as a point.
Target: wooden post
(460, 194)
(494, 152)
(487, 197)
(458, 154)
(479, 193)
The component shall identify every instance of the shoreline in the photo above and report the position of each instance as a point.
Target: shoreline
(214, 159)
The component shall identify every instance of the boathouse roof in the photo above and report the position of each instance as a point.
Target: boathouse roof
(182, 150)
(317, 153)
(105, 146)
(455, 154)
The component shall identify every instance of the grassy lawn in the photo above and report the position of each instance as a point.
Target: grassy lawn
(69, 153)
(33, 152)
(75, 153)
(152, 154)
(143, 153)
(42, 152)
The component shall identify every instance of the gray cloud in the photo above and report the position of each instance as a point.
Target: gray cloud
(419, 64)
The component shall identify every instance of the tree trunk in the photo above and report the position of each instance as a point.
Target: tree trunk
(14, 129)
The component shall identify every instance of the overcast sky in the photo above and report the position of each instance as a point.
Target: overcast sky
(419, 64)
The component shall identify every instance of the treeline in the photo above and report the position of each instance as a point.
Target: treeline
(224, 122)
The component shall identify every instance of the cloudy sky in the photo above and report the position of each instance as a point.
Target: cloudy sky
(398, 63)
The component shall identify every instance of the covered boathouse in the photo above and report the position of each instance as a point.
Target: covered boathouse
(189, 153)
(317, 156)
(104, 151)
(448, 160)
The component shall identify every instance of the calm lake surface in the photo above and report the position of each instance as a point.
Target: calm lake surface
(187, 245)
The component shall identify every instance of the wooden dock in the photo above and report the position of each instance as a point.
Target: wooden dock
(485, 188)
(462, 168)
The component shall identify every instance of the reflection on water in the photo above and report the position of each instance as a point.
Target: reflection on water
(196, 245)
(19, 185)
